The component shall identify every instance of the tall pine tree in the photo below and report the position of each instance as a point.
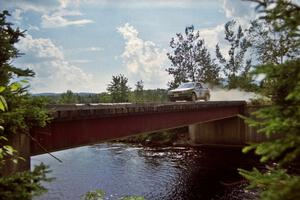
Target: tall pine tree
(280, 181)
(21, 113)
(272, 45)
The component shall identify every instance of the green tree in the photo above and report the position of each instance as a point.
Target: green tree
(21, 113)
(94, 195)
(100, 195)
(155, 96)
(271, 44)
(236, 67)
(283, 16)
(104, 97)
(139, 92)
(8, 51)
(118, 89)
(278, 182)
(190, 59)
(68, 98)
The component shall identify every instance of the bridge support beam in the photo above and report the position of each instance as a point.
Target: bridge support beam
(229, 131)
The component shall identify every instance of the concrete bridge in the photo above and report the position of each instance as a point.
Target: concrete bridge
(77, 125)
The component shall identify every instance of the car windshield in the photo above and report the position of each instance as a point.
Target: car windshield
(186, 85)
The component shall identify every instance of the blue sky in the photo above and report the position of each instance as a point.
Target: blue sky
(79, 45)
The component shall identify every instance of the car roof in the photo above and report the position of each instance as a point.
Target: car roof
(203, 84)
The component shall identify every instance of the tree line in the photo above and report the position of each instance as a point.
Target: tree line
(118, 91)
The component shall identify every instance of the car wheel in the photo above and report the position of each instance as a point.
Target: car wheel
(207, 97)
(194, 97)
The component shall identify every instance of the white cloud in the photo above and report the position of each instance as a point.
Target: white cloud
(63, 3)
(34, 28)
(136, 3)
(213, 36)
(236, 8)
(64, 12)
(53, 13)
(241, 11)
(16, 14)
(143, 59)
(53, 72)
(81, 61)
(93, 49)
(40, 48)
(58, 19)
(36, 6)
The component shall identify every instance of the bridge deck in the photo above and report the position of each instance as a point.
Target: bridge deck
(92, 111)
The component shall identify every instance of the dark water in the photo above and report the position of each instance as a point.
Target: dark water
(175, 173)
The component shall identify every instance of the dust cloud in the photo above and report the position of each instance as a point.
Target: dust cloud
(218, 94)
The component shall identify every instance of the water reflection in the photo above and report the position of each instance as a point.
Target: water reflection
(155, 173)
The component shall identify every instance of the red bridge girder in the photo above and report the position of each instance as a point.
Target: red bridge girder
(74, 126)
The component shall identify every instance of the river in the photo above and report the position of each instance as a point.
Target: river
(168, 173)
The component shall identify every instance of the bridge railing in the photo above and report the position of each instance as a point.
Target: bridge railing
(88, 111)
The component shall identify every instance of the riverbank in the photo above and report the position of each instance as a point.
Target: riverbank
(172, 137)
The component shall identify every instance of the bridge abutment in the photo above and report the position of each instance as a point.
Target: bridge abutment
(228, 131)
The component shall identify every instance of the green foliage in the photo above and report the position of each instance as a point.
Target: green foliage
(280, 121)
(6, 151)
(100, 195)
(3, 104)
(259, 101)
(94, 195)
(155, 96)
(281, 83)
(8, 37)
(270, 44)
(24, 113)
(68, 98)
(236, 68)
(161, 138)
(3, 107)
(283, 116)
(281, 14)
(104, 97)
(23, 185)
(21, 114)
(275, 184)
(190, 60)
(139, 92)
(141, 96)
(118, 89)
